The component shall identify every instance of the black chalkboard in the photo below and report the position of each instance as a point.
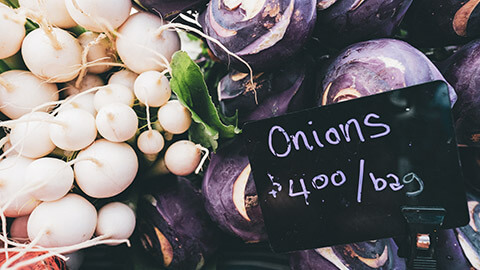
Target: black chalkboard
(341, 173)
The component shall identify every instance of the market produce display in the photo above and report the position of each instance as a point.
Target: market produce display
(122, 121)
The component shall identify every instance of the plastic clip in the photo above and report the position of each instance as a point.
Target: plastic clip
(419, 246)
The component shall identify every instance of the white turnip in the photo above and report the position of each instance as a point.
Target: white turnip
(12, 31)
(21, 91)
(116, 220)
(50, 178)
(13, 200)
(150, 142)
(99, 51)
(75, 129)
(99, 16)
(52, 54)
(113, 93)
(68, 221)
(31, 135)
(105, 168)
(117, 122)
(124, 77)
(152, 88)
(53, 10)
(141, 47)
(174, 117)
(183, 157)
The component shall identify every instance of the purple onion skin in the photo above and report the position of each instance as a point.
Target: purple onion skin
(435, 23)
(324, 4)
(291, 20)
(218, 187)
(469, 236)
(350, 21)
(379, 254)
(289, 88)
(376, 66)
(168, 9)
(175, 208)
(449, 252)
(462, 71)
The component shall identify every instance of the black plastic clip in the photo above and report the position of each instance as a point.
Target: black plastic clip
(419, 246)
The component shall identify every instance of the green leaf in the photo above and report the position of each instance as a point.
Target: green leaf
(204, 135)
(189, 85)
(229, 120)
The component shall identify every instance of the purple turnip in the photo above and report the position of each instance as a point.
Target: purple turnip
(349, 21)
(262, 32)
(230, 194)
(289, 88)
(174, 227)
(376, 66)
(443, 22)
(379, 254)
(461, 71)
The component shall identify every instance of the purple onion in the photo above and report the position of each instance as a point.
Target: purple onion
(376, 66)
(287, 89)
(461, 70)
(174, 227)
(230, 194)
(435, 23)
(262, 32)
(379, 254)
(349, 21)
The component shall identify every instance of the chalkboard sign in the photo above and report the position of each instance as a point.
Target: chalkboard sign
(341, 173)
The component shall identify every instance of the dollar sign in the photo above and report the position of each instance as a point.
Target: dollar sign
(274, 192)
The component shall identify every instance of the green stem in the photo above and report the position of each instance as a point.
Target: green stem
(30, 26)
(3, 67)
(77, 30)
(15, 62)
(12, 3)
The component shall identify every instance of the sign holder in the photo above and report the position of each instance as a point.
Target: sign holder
(419, 246)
